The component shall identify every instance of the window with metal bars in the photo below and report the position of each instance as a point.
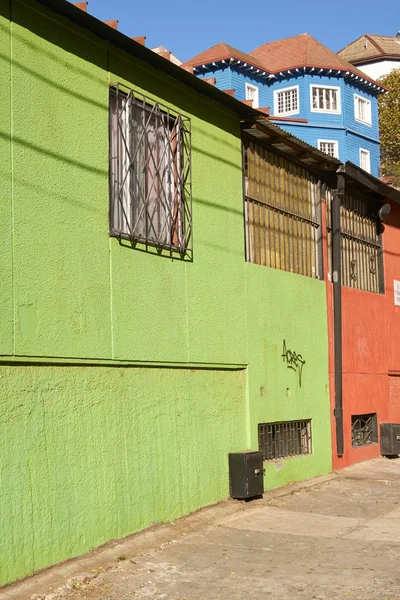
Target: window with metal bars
(361, 242)
(150, 172)
(285, 438)
(364, 429)
(282, 213)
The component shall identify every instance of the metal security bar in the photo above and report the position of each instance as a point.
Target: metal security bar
(364, 429)
(150, 172)
(286, 438)
(361, 245)
(282, 213)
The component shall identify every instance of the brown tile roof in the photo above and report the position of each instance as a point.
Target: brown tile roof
(301, 51)
(369, 47)
(273, 57)
(220, 52)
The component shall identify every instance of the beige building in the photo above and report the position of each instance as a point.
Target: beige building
(375, 55)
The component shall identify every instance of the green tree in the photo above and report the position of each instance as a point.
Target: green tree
(389, 124)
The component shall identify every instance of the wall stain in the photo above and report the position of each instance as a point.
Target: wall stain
(28, 320)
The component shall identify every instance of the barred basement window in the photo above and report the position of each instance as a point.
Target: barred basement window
(150, 172)
(361, 242)
(364, 429)
(282, 213)
(286, 438)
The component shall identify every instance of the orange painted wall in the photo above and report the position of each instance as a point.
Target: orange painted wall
(371, 350)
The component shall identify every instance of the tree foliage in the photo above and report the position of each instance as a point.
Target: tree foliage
(389, 123)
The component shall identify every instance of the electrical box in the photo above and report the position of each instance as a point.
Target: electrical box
(390, 439)
(246, 475)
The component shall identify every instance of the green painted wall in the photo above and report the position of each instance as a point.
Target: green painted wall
(92, 452)
(283, 306)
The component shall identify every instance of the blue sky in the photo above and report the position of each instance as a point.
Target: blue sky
(187, 28)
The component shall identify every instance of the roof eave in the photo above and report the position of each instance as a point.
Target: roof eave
(265, 131)
(373, 184)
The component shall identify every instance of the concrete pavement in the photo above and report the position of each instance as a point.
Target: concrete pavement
(336, 537)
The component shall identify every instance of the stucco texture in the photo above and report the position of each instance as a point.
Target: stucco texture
(284, 307)
(92, 452)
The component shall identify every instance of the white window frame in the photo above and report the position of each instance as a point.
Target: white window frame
(336, 145)
(368, 154)
(368, 120)
(253, 88)
(289, 112)
(323, 110)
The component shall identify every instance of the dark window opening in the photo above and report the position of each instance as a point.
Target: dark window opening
(364, 429)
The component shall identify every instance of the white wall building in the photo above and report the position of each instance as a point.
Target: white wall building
(375, 55)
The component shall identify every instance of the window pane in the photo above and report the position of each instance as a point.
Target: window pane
(315, 97)
(334, 99)
(321, 98)
(325, 99)
(149, 172)
(287, 101)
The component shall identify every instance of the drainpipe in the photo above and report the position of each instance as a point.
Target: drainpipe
(338, 197)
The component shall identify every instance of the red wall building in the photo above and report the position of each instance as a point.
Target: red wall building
(370, 351)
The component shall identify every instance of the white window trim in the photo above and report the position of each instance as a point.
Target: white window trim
(356, 97)
(369, 159)
(254, 88)
(290, 112)
(335, 142)
(321, 110)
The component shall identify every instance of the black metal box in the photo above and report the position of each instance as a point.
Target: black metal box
(246, 474)
(390, 439)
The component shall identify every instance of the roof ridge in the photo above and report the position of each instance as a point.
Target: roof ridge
(351, 43)
(377, 46)
(225, 51)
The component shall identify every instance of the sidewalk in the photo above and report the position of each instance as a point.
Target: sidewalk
(336, 537)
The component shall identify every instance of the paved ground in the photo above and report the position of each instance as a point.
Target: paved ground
(336, 539)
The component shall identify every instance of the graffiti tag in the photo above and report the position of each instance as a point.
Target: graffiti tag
(293, 361)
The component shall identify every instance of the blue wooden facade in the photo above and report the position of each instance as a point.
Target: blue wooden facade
(350, 134)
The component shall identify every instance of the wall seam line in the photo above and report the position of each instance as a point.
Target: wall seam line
(12, 185)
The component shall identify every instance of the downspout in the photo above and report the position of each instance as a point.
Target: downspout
(337, 200)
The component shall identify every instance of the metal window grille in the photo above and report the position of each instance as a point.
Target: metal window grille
(282, 213)
(364, 429)
(325, 98)
(150, 172)
(361, 242)
(287, 101)
(286, 438)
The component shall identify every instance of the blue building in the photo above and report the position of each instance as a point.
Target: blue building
(309, 90)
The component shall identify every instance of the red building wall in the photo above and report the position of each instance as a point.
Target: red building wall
(371, 350)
